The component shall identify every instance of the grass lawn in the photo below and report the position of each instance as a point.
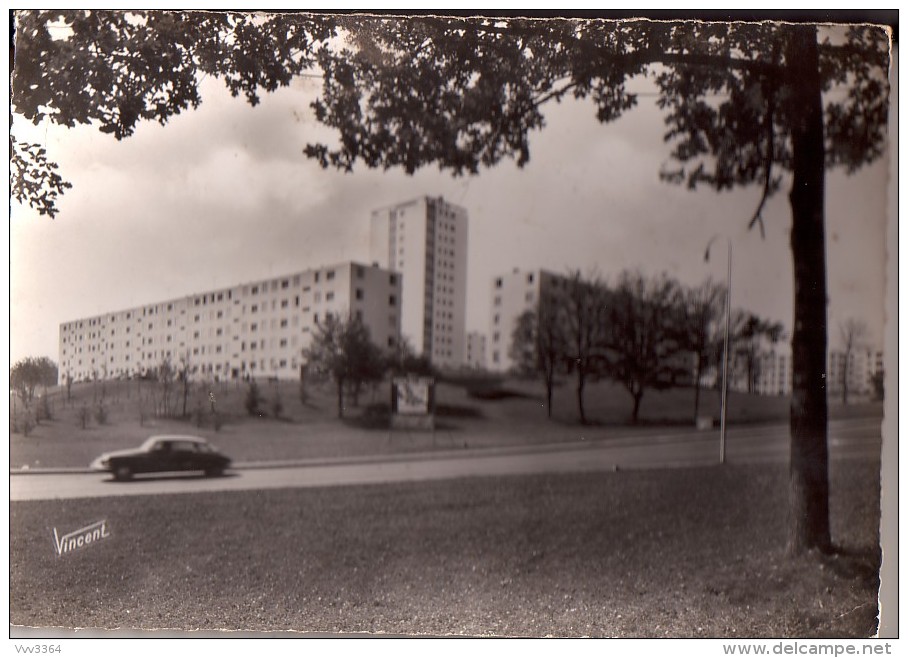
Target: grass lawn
(503, 413)
(677, 553)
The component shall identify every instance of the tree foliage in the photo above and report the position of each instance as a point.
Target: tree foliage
(342, 350)
(645, 339)
(702, 310)
(30, 373)
(539, 342)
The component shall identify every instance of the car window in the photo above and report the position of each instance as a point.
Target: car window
(185, 446)
(161, 446)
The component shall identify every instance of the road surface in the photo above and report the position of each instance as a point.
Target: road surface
(848, 439)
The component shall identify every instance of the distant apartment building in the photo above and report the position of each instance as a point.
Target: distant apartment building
(425, 240)
(512, 295)
(773, 371)
(476, 351)
(860, 367)
(256, 329)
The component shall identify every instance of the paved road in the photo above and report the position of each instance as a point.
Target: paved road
(849, 439)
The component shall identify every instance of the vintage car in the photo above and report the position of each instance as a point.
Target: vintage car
(164, 454)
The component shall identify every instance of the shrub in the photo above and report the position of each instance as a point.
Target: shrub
(101, 414)
(83, 416)
(277, 406)
(253, 399)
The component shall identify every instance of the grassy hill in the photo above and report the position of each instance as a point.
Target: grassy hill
(470, 412)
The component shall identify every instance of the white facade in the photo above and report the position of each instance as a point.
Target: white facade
(774, 372)
(476, 351)
(512, 295)
(425, 240)
(256, 329)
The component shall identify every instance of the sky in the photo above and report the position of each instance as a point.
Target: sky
(224, 194)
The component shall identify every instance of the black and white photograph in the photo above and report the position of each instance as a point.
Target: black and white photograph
(344, 324)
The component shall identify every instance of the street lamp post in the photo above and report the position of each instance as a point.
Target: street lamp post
(724, 410)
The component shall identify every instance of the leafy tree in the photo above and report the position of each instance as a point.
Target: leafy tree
(253, 399)
(743, 101)
(645, 337)
(702, 309)
(749, 337)
(342, 349)
(538, 342)
(405, 360)
(30, 373)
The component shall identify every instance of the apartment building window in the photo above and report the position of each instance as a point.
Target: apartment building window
(530, 277)
(284, 303)
(392, 300)
(255, 290)
(195, 334)
(330, 275)
(197, 318)
(498, 283)
(220, 296)
(284, 322)
(317, 276)
(329, 296)
(285, 283)
(255, 308)
(359, 294)
(254, 326)
(296, 302)
(360, 272)
(315, 318)
(283, 342)
(393, 279)
(220, 314)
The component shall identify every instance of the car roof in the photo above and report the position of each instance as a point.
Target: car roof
(176, 437)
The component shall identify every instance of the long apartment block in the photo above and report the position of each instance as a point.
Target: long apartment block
(255, 329)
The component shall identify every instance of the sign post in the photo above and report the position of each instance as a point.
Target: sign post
(413, 403)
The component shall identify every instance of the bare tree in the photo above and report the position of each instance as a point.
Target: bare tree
(585, 319)
(702, 308)
(853, 333)
(538, 342)
(184, 374)
(165, 375)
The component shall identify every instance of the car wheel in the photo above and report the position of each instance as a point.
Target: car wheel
(122, 473)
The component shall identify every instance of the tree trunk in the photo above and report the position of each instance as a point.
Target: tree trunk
(580, 384)
(809, 474)
(549, 385)
(340, 399)
(638, 397)
(697, 388)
